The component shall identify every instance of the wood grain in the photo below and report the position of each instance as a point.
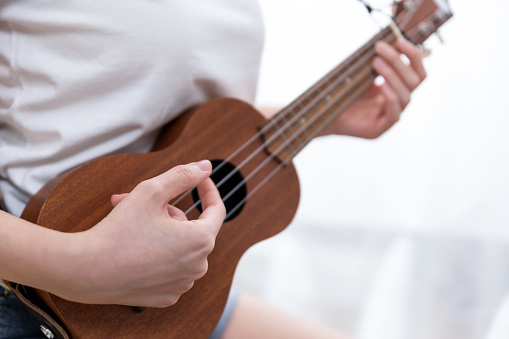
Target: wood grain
(80, 199)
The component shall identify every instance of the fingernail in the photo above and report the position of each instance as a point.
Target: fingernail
(203, 165)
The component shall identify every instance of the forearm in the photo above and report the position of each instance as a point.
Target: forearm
(30, 254)
(143, 253)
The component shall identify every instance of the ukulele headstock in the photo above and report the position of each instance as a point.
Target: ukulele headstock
(418, 19)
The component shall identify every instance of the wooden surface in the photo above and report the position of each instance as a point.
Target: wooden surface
(214, 132)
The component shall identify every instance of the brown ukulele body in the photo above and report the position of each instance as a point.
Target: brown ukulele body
(78, 200)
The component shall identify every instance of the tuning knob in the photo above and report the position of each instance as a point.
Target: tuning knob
(439, 36)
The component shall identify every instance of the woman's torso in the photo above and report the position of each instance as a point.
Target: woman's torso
(83, 79)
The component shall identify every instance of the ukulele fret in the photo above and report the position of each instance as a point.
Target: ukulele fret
(200, 134)
(305, 118)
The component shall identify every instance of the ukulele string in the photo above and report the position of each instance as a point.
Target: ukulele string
(361, 89)
(292, 154)
(296, 135)
(266, 127)
(260, 133)
(289, 157)
(284, 145)
(331, 86)
(305, 109)
(371, 10)
(285, 128)
(274, 171)
(403, 18)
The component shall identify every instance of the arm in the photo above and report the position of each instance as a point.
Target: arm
(120, 260)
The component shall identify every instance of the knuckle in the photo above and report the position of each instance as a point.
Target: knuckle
(405, 99)
(222, 206)
(185, 286)
(188, 286)
(166, 301)
(208, 243)
(371, 135)
(183, 173)
(202, 270)
(392, 97)
(379, 100)
(414, 82)
(150, 186)
(393, 57)
(204, 244)
(145, 184)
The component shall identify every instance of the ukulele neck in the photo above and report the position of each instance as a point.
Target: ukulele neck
(290, 130)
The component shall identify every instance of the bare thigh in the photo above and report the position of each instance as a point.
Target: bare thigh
(255, 319)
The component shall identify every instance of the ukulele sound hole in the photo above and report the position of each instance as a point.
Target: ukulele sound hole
(232, 190)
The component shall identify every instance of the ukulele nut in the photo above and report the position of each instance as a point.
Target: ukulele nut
(47, 332)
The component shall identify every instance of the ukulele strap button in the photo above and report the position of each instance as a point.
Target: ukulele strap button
(47, 332)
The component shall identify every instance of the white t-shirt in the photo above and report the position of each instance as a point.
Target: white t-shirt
(80, 79)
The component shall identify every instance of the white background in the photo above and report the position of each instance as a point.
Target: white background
(405, 236)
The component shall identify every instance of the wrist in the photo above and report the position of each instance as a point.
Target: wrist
(71, 272)
(29, 253)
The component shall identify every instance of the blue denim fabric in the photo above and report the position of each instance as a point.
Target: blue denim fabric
(227, 314)
(17, 323)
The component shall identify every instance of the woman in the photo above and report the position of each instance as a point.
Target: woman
(84, 79)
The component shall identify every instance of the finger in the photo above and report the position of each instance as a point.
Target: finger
(414, 55)
(117, 198)
(161, 189)
(214, 211)
(392, 109)
(393, 57)
(393, 79)
(176, 213)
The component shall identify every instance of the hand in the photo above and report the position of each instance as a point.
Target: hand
(146, 252)
(379, 108)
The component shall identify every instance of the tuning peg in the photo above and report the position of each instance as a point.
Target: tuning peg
(426, 52)
(439, 36)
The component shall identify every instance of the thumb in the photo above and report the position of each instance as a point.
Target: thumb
(166, 186)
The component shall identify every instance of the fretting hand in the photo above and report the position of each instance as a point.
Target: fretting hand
(380, 107)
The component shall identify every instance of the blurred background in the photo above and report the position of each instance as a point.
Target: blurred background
(405, 236)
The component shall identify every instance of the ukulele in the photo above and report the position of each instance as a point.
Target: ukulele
(252, 168)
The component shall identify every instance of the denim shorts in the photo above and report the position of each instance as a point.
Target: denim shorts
(16, 322)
